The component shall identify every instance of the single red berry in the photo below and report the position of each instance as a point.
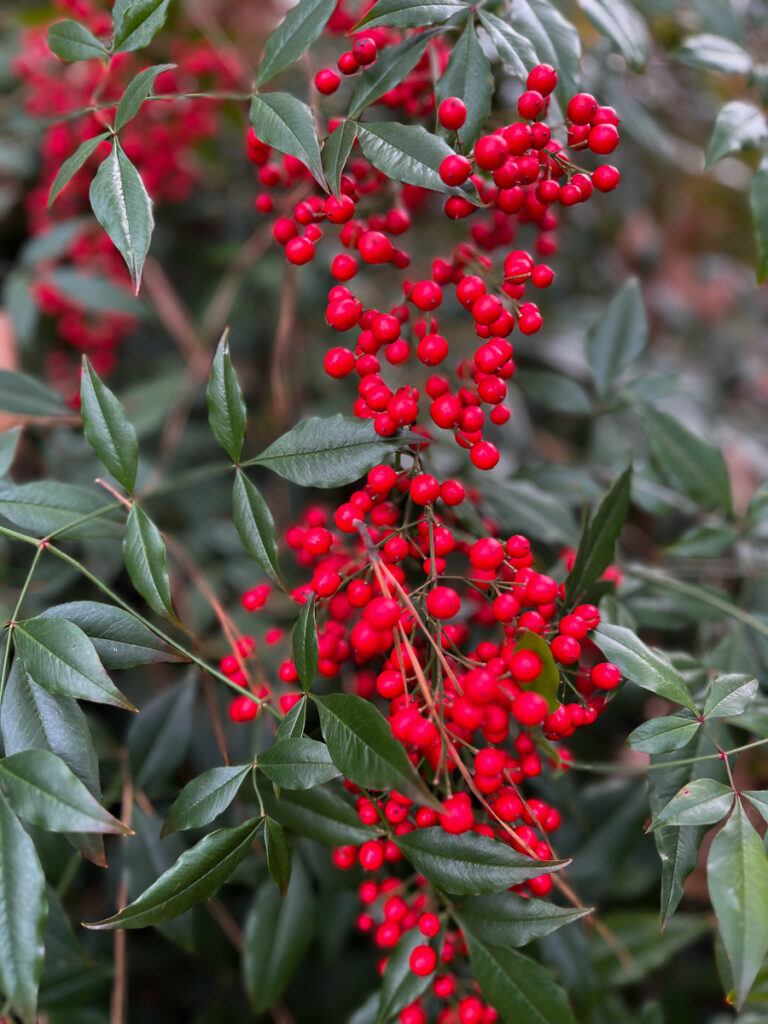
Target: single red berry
(530, 105)
(605, 178)
(605, 675)
(364, 50)
(374, 247)
(484, 455)
(299, 251)
(543, 78)
(529, 708)
(581, 108)
(457, 816)
(603, 139)
(423, 960)
(491, 151)
(327, 82)
(347, 64)
(525, 666)
(452, 113)
(443, 602)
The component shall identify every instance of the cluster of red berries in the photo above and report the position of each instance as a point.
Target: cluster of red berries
(519, 173)
(161, 143)
(482, 668)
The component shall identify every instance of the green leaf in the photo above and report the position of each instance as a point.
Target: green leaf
(196, 876)
(514, 50)
(411, 13)
(9, 441)
(302, 25)
(660, 735)
(616, 340)
(297, 763)
(278, 854)
(46, 793)
(136, 92)
(738, 126)
(554, 391)
(389, 69)
(107, 429)
(400, 986)
(255, 524)
(648, 946)
(26, 396)
(642, 665)
(137, 22)
(715, 53)
(304, 643)
(336, 150)
(519, 988)
(226, 405)
(154, 749)
(146, 561)
(121, 205)
(72, 42)
(23, 912)
(44, 507)
(759, 800)
(204, 798)
(700, 802)
(94, 293)
(704, 542)
(73, 163)
(506, 919)
(120, 639)
(737, 876)
(33, 719)
(758, 202)
(20, 304)
(547, 681)
(326, 452)
(554, 39)
(363, 748)
(468, 75)
(59, 656)
(729, 695)
(678, 845)
(326, 815)
(293, 721)
(408, 153)
(288, 125)
(468, 864)
(598, 540)
(624, 26)
(536, 513)
(277, 934)
(687, 462)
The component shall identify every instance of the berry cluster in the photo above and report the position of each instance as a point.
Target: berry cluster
(482, 667)
(161, 143)
(513, 177)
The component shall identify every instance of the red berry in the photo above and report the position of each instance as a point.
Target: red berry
(605, 675)
(374, 247)
(452, 113)
(484, 455)
(603, 139)
(525, 666)
(299, 251)
(530, 105)
(581, 108)
(364, 50)
(423, 960)
(605, 178)
(529, 708)
(457, 816)
(543, 78)
(443, 602)
(491, 151)
(327, 82)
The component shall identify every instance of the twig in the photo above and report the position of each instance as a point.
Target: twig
(118, 1006)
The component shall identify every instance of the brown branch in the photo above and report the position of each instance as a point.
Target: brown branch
(118, 1004)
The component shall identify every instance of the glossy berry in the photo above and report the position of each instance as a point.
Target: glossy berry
(454, 170)
(452, 113)
(443, 602)
(375, 247)
(543, 78)
(327, 82)
(364, 50)
(423, 960)
(581, 108)
(605, 675)
(530, 105)
(603, 139)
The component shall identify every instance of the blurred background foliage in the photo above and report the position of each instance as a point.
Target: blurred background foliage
(686, 234)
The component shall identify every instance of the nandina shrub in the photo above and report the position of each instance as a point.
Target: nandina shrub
(384, 788)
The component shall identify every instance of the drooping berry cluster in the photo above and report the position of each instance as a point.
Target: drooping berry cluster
(513, 177)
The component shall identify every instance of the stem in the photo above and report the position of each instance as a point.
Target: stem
(14, 617)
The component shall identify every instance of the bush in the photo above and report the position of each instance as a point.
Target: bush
(460, 649)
